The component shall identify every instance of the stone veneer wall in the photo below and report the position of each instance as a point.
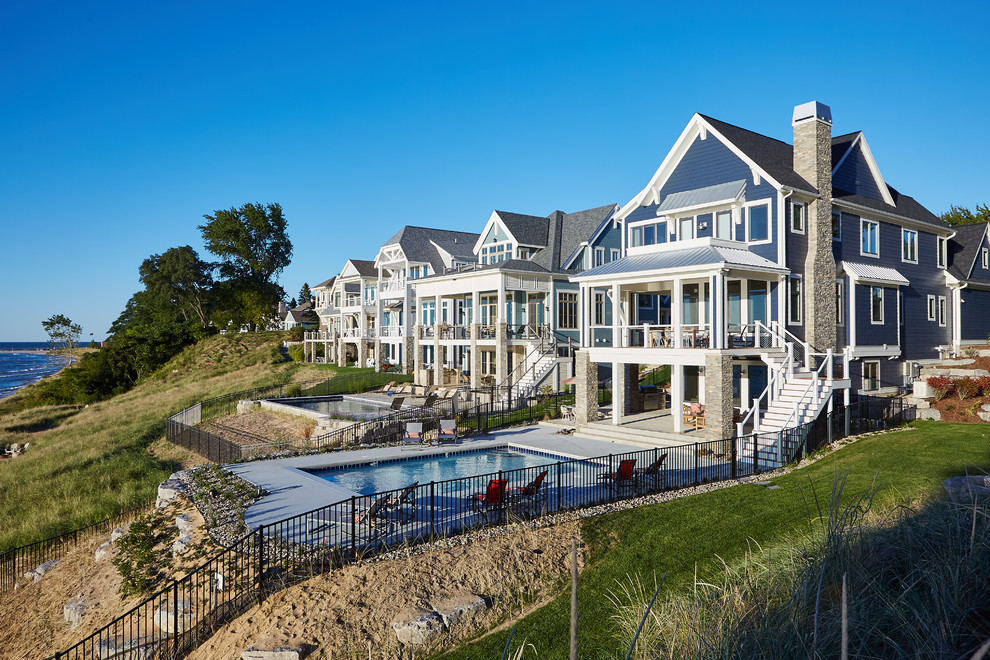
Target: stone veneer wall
(409, 355)
(586, 385)
(813, 161)
(718, 397)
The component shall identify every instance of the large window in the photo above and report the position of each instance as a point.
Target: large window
(599, 308)
(599, 256)
(723, 225)
(871, 375)
(798, 217)
(795, 301)
(649, 234)
(940, 251)
(909, 245)
(876, 305)
(567, 311)
(759, 222)
(870, 244)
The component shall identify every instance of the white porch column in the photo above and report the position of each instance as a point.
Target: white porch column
(618, 391)
(852, 313)
(584, 337)
(616, 318)
(677, 393)
(677, 314)
(716, 309)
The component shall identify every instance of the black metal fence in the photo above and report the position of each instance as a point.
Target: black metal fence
(15, 562)
(182, 615)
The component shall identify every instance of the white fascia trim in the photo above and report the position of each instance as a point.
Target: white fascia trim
(492, 219)
(861, 210)
(708, 207)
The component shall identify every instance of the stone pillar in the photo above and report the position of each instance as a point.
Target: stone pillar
(378, 352)
(586, 386)
(341, 352)
(362, 353)
(419, 377)
(813, 161)
(718, 397)
(409, 350)
(475, 365)
(632, 395)
(501, 352)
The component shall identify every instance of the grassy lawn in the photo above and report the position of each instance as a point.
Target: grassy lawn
(676, 537)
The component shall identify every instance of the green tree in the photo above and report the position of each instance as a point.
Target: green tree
(957, 215)
(178, 283)
(305, 295)
(63, 334)
(254, 248)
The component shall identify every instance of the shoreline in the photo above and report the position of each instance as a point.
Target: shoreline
(36, 351)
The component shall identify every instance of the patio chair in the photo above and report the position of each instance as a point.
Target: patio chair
(406, 388)
(624, 477)
(493, 499)
(413, 434)
(527, 500)
(448, 432)
(396, 403)
(567, 413)
(387, 388)
(370, 517)
(653, 477)
(404, 502)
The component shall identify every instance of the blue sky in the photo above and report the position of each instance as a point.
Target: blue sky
(122, 123)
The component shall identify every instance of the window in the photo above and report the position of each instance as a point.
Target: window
(794, 300)
(599, 308)
(871, 375)
(599, 256)
(685, 229)
(836, 225)
(759, 223)
(723, 225)
(931, 308)
(876, 305)
(940, 251)
(986, 258)
(488, 363)
(838, 302)
(909, 245)
(798, 213)
(649, 234)
(941, 311)
(567, 311)
(870, 231)
(615, 254)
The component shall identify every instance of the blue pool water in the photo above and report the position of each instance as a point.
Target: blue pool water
(392, 475)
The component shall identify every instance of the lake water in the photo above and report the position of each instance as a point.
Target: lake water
(20, 369)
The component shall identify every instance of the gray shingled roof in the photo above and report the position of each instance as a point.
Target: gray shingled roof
(903, 205)
(567, 232)
(325, 284)
(364, 267)
(417, 246)
(527, 229)
(963, 248)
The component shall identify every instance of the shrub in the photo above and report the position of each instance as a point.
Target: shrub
(984, 384)
(293, 390)
(970, 352)
(941, 386)
(966, 387)
(295, 333)
(296, 353)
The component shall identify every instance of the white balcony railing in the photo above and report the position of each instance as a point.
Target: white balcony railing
(358, 333)
(392, 331)
(392, 286)
(320, 335)
(693, 335)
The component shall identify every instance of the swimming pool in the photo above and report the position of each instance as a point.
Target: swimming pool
(339, 406)
(383, 476)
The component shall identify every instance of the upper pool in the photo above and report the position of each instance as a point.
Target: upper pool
(371, 478)
(340, 406)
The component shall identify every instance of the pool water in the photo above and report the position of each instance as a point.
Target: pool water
(342, 407)
(392, 475)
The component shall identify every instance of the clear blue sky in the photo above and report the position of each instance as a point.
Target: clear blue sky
(122, 123)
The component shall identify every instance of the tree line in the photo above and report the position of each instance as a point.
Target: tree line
(184, 298)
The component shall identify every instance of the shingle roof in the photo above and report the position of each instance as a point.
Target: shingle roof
(774, 156)
(903, 205)
(326, 284)
(567, 231)
(963, 248)
(365, 268)
(527, 229)
(841, 144)
(418, 244)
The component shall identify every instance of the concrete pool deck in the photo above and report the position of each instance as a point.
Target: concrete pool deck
(294, 491)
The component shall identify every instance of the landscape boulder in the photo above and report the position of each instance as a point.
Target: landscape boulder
(41, 569)
(181, 544)
(134, 648)
(418, 630)
(103, 550)
(460, 609)
(252, 653)
(964, 488)
(118, 533)
(170, 489)
(184, 522)
(73, 611)
(167, 617)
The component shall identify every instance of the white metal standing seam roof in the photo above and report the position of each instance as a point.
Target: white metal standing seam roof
(722, 192)
(680, 259)
(871, 273)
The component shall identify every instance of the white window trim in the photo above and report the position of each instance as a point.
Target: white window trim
(599, 256)
(840, 300)
(577, 316)
(985, 256)
(866, 362)
(732, 224)
(932, 309)
(839, 237)
(804, 217)
(769, 238)
(615, 254)
(905, 232)
(883, 298)
(942, 310)
(800, 280)
(598, 298)
(862, 224)
(941, 251)
(694, 227)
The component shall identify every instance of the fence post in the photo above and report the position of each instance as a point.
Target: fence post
(261, 564)
(354, 525)
(735, 456)
(558, 485)
(696, 480)
(433, 508)
(611, 472)
(175, 615)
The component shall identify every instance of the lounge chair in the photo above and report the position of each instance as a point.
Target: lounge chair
(413, 434)
(527, 500)
(387, 388)
(653, 477)
(429, 400)
(405, 501)
(396, 403)
(370, 517)
(624, 477)
(493, 499)
(406, 388)
(447, 434)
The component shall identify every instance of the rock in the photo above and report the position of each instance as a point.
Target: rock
(460, 609)
(184, 522)
(420, 630)
(922, 390)
(276, 654)
(931, 413)
(958, 361)
(40, 570)
(102, 551)
(964, 488)
(985, 416)
(168, 491)
(166, 618)
(181, 544)
(136, 648)
(986, 406)
(117, 533)
(73, 611)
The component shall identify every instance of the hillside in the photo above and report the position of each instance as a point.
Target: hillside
(87, 463)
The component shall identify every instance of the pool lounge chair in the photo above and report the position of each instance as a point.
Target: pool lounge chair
(413, 434)
(653, 477)
(493, 499)
(340, 516)
(404, 502)
(406, 388)
(624, 477)
(447, 435)
(530, 499)
(396, 403)
(387, 388)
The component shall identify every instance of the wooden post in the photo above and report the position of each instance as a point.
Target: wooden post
(574, 609)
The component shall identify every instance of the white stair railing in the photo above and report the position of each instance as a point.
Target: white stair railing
(814, 388)
(770, 393)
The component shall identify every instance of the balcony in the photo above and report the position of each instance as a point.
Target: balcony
(358, 333)
(391, 331)
(692, 335)
(357, 301)
(320, 335)
(392, 288)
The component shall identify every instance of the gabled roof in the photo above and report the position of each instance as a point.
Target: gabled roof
(963, 248)
(424, 245)
(904, 206)
(841, 145)
(326, 284)
(567, 232)
(526, 229)
(364, 267)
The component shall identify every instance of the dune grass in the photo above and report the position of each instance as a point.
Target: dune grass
(88, 463)
(692, 536)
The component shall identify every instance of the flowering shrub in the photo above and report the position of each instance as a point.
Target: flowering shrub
(984, 383)
(966, 387)
(941, 386)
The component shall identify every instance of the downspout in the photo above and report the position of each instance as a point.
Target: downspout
(782, 197)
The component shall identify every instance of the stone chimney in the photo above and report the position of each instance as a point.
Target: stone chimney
(813, 161)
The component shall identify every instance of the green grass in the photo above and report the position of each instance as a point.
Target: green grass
(674, 538)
